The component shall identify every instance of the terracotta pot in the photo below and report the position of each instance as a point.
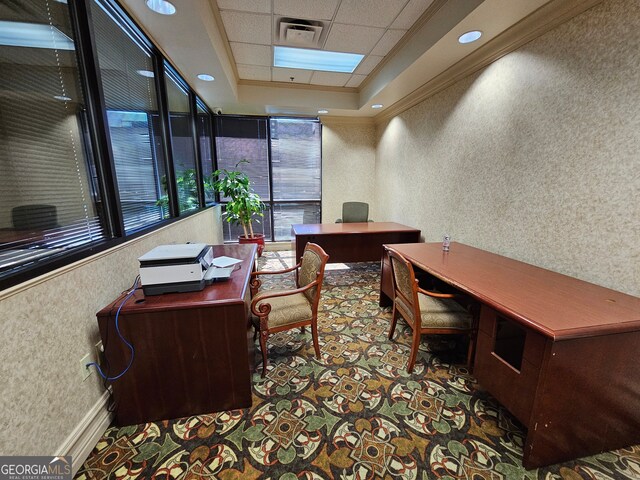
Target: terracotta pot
(257, 238)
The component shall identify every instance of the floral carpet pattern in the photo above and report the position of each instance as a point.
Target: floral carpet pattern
(353, 414)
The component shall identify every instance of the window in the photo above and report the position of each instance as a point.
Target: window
(284, 164)
(49, 205)
(203, 126)
(184, 155)
(131, 103)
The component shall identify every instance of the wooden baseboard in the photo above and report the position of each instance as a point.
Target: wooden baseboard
(87, 433)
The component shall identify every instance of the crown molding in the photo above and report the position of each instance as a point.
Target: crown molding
(539, 22)
(337, 120)
(301, 86)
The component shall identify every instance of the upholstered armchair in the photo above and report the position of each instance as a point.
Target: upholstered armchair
(354, 212)
(280, 310)
(424, 311)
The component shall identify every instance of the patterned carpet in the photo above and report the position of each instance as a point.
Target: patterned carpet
(354, 414)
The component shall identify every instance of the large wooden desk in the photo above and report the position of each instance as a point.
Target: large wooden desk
(352, 242)
(191, 349)
(561, 354)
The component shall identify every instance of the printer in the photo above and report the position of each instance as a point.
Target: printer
(175, 268)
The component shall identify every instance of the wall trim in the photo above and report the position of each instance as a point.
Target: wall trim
(334, 119)
(535, 25)
(84, 437)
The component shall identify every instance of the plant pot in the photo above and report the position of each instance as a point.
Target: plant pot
(258, 238)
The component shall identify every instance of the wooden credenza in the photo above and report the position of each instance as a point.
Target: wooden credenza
(191, 349)
(559, 353)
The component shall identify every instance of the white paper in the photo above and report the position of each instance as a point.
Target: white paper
(224, 261)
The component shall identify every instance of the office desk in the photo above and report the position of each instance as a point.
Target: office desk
(351, 242)
(561, 354)
(191, 349)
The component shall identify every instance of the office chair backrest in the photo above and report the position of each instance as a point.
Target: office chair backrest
(34, 217)
(353, 212)
(312, 266)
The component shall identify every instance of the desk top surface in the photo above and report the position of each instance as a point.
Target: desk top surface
(349, 228)
(230, 291)
(551, 303)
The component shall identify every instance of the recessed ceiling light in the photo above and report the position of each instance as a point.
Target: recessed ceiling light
(33, 35)
(206, 77)
(470, 37)
(145, 73)
(161, 6)
(315, 59)
(377, 105)
(62, 98)
(323, 111)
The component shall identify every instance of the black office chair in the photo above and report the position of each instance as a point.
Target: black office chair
(354, 212)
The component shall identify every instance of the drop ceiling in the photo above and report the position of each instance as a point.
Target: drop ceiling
(406, 43)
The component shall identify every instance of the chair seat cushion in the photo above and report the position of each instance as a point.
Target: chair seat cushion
(439, 313)
(287, 309)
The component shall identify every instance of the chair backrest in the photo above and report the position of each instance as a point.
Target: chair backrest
(404, 284)
(354, 212)
(314, 259)
(35, 217)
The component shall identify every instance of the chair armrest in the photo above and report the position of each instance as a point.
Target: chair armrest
(371, 220)
(339, 220)
(436, 294)
(265, 311)
(275, 272)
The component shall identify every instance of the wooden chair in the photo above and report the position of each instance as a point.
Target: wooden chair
(285, 309)
(424, 311)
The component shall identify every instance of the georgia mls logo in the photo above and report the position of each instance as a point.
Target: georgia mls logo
(35, 468)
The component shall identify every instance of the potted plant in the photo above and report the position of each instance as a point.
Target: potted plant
(244, 205)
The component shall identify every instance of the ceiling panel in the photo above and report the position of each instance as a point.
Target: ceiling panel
(308, 9)
(373, 13)
(353, 38)
(254, 72)
(259, 6)
(247, 27)
(330, 78)
(355, 80)
(387, 42)
(367, 64)
(410, 13)
(251, 54)
(284, 75)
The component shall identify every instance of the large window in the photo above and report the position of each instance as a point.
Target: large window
(126, 70)
(49, 204)
(203, 125)
(283, 161)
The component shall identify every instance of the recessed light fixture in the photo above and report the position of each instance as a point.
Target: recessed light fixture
(161, 6)
(33, 35)
(377, 105)
(206, 77)
(62, 98)
(470, 37)
(315, 59)
(323, 111)
(145, 73)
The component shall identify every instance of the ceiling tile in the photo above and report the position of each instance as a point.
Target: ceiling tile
(388, 41)
(373, 13)
(352, 38)
(251, 54)
(258, 6)
(308, 9)
(355, 80)
(254, 72)
(284, 75)
(330, 78)
(247, 27)
(367, 65)
(411, 13)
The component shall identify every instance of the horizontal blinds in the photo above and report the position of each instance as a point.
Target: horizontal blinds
(206, 157)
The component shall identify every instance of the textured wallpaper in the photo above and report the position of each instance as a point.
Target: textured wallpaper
(348, 166)
(48, 327)
(536, 157)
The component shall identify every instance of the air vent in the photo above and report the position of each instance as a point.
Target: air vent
(300, 33)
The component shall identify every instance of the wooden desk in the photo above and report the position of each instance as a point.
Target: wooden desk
(191, 349)
(561, 354)
(352, 242)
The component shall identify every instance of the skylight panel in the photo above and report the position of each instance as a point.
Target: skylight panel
(316, 59)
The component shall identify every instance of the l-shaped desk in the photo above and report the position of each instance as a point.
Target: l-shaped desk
(559, 353)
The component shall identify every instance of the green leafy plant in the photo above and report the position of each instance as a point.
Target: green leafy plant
(244, 204)
(187, 191)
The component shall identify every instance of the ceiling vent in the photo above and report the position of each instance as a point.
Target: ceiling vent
(300, 33)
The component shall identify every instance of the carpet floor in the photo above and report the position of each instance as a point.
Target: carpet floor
(353, 414)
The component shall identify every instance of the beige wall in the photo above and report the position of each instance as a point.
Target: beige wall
(49, 324)
(536, 157)
(348, 165)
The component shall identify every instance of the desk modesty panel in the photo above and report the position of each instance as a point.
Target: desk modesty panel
(558, 352)
(351, 242)
(191, 349)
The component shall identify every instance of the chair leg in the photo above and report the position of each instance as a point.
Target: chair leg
(302, 329)
(255, 332)
(314, 335)
(414, 350)
(263, 347)
(394, 320)
(471, 351)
